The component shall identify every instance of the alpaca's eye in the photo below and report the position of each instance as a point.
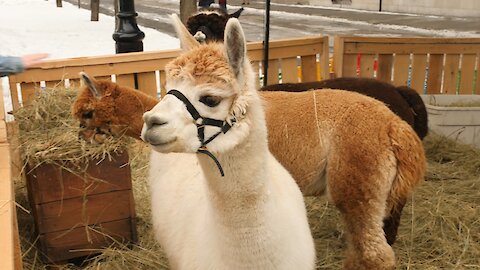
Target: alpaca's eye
(87, 115)
(210, 101)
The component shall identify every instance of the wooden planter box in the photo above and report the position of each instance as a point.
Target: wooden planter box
(75, 216)
(458, 123)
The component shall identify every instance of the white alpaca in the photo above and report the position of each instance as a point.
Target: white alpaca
(252, 218)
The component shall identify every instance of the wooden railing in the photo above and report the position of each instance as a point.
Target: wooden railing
(10, 254)
(146, 70)
(429, 65)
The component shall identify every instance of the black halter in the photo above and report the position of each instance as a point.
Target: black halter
(201, 122)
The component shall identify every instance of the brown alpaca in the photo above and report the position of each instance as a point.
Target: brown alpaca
(106, 108)
(346, 145)
(403, 101)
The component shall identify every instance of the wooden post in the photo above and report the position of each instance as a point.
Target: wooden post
(187, 8)
(95, 8)
(59, 3)
(10, 253)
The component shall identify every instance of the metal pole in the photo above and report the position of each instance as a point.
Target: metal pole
(380, 6)
(266, 42)
(127, 35)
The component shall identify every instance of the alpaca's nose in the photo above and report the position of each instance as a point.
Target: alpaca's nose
(152, 120)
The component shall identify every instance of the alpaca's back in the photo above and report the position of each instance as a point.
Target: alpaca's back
(328, 119)
(403, 101)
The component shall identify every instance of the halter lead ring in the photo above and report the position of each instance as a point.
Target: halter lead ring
(201, 122)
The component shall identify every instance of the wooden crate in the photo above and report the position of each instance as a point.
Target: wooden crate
(75, 214)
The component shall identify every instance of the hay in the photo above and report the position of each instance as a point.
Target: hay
(49, 134)
(439, 229)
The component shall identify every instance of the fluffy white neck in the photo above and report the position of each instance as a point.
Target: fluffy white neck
(245, 182)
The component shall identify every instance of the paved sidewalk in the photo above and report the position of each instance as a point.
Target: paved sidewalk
(427, 22)
(299, 20)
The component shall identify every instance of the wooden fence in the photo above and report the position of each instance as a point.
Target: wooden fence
(429, 65)
(146, 70)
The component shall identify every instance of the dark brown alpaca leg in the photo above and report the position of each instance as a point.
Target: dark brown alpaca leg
(391, 223)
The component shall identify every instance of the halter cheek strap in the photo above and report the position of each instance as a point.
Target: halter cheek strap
(201, 122)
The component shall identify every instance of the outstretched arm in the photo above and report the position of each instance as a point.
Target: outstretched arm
(13, 64)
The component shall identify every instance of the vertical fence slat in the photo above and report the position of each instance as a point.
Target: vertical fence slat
(325, 61)
(289, 70)
(450, 73)
(2, 115)
(126, 80)
(419, 70)
(272, 76)
(400, 69)
(467, 73)
(384, 69)
(366, 65)
(163, 81)
(28, 92)
(14, 96)
(309, 68)
(338, 56)
(147, 83)
(349, 65)
(476, 89)
(434, 79)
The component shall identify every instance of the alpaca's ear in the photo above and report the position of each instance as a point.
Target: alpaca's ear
(187, 41)
(236, 14)
(235, 46)
(90, 83)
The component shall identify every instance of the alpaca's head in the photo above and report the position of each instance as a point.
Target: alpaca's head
(208, 24)
(217, 81)
(94, 107)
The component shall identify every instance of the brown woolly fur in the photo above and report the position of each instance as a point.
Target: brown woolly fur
(403, 101)
(419, 109)
(347, 134)
(49, 134)
(206, 67)
(102, 116)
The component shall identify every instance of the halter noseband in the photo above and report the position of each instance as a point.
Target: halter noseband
(201, 122)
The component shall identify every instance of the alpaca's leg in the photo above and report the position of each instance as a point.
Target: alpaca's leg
(392, 221)
(361, 194)
(367, 247)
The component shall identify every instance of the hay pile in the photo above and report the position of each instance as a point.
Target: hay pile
(440, 226)
(49, 134)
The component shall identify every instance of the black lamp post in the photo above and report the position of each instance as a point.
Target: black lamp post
(127, 35)
(266, 42)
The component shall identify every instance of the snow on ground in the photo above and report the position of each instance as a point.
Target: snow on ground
(34, 26)
(30, 26)
(326, 19)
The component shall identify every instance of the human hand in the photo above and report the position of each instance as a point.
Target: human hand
(32, 59)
